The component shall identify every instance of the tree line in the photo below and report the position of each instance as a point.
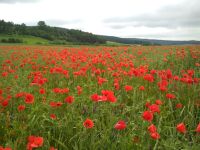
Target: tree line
(50, 33)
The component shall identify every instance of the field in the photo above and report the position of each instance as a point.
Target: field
(26, 39)
(109, 98)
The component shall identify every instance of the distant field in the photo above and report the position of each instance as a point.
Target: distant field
(99, 97)
(26, 39)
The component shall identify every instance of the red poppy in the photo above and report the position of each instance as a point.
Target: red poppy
(34, 142)
(152, 128)
(79, 89)
(4, 74)
(42, 91)
(181, 128)
(147, 104)
(154, 108)
(53, 148)
(29, 98)
(88, 123)
(155, 135)
(120, 125)
(198, 128)
(141, 88)
(53, 116)
(1, 91)
(149, 77)
(5, 103)
(170, 96)
(148, 116)
(6, 148)
(21, 107)
(179, 105)
(128, 88)
(69, 99)
(158, 102)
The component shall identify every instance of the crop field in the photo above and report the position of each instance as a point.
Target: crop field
(99, 98)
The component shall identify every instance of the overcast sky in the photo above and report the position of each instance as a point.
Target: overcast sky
(153, 19)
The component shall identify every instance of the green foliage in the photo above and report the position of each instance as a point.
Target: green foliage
(53, 34)
(11, 40)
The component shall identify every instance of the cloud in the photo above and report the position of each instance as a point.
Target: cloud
(17, 1)
(185, 14)
(60, 22)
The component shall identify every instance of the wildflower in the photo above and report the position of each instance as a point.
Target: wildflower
(152, 128)
(34, 142)
(79, 89)
(128, 88)
(198, 128)
(120, 125)
(53, 116)
(88, 123)
(158, 102)
(21, 107)
(170, 96)
(155, 135)
(179, 105)
(147, 104)
(148, 116)
(5, 103)
(42, 91)
(141, 88)
(69, 99)
(154, 108)
(181, 128)
(29, 98)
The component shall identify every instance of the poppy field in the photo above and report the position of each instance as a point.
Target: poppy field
(98, 97)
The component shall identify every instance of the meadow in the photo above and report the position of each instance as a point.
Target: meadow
(99, 97)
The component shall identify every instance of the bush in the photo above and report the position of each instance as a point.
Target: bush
(12, 40)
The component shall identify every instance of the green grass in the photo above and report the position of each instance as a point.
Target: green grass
(29, 40)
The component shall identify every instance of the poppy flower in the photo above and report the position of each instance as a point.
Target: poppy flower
(154, 108)
(158, 102)
(181, 128)
(179, 105)
(69, 99)
(29, 98)
(152, 128)
(147, 104)
(128, 88)
(53, 148)
(6, 148)
(79, 89)
(198, 128)
(34, 142)
(42, 91)
(53, 116)
(155, 135)
(5, 103)
(88, 123)
(148, 116)
(141, 88)
(120, 125)
(170, 96)
(1, 91)
(21, 107)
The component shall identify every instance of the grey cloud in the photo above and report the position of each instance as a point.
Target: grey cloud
(181, 34)
(186, 14)
(18, 1)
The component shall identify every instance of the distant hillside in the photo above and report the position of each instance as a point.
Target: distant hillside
(146, 41)
(15, 33)
(53, 34)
